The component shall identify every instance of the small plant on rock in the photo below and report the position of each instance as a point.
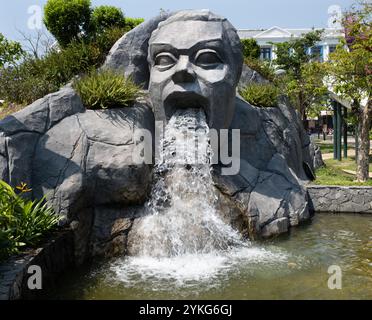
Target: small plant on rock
(23, 222)
(106, 89)
(261, 94)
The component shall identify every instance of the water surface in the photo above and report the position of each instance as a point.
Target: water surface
(289, 267)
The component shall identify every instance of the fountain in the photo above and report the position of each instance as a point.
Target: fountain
(247, 182)
(182, 222)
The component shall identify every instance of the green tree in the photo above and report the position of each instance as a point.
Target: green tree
(303, 79)
(67, 19)
(107, 17)
(10, 51)
(351, 75)
(250, 48)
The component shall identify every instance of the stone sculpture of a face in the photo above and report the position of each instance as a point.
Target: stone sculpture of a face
(195, 62)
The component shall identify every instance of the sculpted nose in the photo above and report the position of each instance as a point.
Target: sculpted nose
(184, 71)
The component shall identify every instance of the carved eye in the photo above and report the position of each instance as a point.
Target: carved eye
(207, 58)
(165, 60)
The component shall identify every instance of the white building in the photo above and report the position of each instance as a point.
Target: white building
(266, 39)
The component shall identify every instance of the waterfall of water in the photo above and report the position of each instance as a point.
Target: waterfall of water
(182, 216)
(181, 238)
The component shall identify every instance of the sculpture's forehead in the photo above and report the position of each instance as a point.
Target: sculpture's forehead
(185, 34)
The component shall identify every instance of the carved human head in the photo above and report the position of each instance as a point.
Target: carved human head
(195, 61)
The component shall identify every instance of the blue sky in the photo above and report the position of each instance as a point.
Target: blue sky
(249, 14)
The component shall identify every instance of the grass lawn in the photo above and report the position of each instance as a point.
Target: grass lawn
(332, 174)
(326, 148)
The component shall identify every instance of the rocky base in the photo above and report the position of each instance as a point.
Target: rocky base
(54, 258)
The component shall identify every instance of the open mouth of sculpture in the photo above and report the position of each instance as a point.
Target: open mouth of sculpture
(186, 100)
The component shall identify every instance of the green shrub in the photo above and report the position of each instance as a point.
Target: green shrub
(106, 89)
(107, 17)
(35, 78)
(24, 83)
(23, 222)
(67, 19)
(262, 95)
(78, 57)
(250, 48)
(131, 23)
(105, 40)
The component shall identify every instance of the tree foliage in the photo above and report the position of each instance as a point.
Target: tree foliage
(293, 54)
(351, 75)
(10, 51)
(351, 63)
(303, 79)
(250, 48)
(67, 19)
(106, 17)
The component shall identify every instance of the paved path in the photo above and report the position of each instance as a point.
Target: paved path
(350, 153)
(354, 173)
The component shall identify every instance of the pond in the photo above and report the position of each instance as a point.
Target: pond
(294, 266)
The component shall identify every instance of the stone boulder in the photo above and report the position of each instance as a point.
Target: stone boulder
(250, 76)
(316, 155)
(79, 159)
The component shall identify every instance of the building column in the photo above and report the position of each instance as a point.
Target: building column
(273, 52)
(345, 132)
(334, 106)
(339, 131)
(325, 52)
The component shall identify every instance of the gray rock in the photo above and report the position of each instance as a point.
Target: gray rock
(31, 119)
(110, 231)
(77, 158)
(21, 147)
(62, 104)
(269, 198)
(43, 113)
(316, 155)
(250, 76)
(279, 166)
(129, 54)
(276, 227)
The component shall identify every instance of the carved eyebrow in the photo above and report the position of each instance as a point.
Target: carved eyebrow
(157, 48)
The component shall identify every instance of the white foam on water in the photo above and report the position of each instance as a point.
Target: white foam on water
(208, 269)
